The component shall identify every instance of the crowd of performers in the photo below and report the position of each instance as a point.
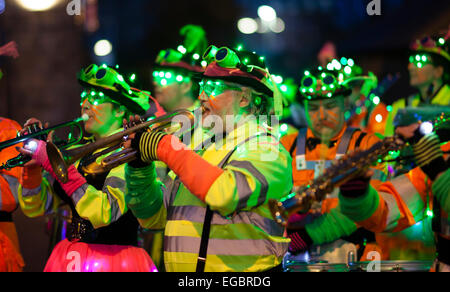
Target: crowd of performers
(204, 196)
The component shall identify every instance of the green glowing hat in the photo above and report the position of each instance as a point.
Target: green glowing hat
(110, 83)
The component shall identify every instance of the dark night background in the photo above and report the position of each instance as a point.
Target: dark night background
(54, 46)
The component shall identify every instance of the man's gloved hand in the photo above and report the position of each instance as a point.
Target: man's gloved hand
(426, 147)
(145, 142)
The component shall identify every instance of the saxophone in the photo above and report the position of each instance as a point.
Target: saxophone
(341, 171)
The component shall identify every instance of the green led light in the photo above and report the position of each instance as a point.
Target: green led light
(418, 58)
(179, 78)
(344, 61)
(155, 74)
(307, 73)
(196, 56)
(358, 111)
(168, 75)
(283, 88)
(389, 108)
(133, 77)
(239, 48)
(83, 94)
(181, 49)
(284, 128)
(376, 100)
(441, 41)
(430, 213)
(204, 63)
(419, 65)
(347, 70)
(350, 62)
(424, 58)
(161, 74)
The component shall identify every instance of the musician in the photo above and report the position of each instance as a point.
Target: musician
(429, 70)
(103, 233)
(10, 257)
(175, 71)
(313, 149)
(215, 214)
(409, 198)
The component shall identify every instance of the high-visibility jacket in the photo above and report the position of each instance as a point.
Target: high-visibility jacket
(401, 203)
(442, 97)
(10, 257)
(100, 207)
(243, 235)
(307, 165)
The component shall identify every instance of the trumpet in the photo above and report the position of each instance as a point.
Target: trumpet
(60, 159)
(343, 170)
(35, 132)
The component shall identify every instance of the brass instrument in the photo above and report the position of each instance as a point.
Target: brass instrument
(35, 132)
(342, 170)
(60, 160)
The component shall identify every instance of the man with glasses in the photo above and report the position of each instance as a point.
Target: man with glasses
(324, 233)
(215, 212)
(429, 70)
(175, 71)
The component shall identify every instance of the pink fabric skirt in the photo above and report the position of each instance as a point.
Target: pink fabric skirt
(83, 257)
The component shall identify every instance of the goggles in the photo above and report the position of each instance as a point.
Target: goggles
(420, 60)
(227, 58)
(106, 77)
(95, 98)
(215, 88)
(323, 85)
(165, 78)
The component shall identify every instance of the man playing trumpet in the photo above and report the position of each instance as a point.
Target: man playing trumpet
(215, 212)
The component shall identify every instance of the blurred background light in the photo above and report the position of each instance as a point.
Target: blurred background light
(267, 13)
(2, 6)
(247, 25)
(277, 26)
(103, 48)
(38, 5)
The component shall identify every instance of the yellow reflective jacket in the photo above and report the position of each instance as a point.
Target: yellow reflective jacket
(243, 236)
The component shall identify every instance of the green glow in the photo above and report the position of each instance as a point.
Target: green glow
(419, 65)
(347, 70)
(389, 108)
(358, 111)
(133, 77)
(441, 41)
(430, 213)
(344, 61)
(284, 128)
(350, 62)
(307, 73)
(216, 88)
(168, 75)
(196, 56)
(283, 88)
(179, 78)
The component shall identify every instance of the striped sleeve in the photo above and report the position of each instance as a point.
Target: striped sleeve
(105, 206)
(40, 200)
(396, 205)
(145, 196)
(9, 188)
(256, 172)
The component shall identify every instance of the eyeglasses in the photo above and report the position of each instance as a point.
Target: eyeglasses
(95, 98)
(325, 84)
(420, 60)
(215, 88)
(164, 78)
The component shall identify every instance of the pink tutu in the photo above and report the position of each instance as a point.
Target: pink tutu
(82, 257)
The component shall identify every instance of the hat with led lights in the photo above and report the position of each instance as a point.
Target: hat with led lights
(244, 68)
(105, 83)
(322, 84)
(186, 60)
(349, 73)
(429, 46)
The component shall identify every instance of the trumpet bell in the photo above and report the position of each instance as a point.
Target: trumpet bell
(57, 162)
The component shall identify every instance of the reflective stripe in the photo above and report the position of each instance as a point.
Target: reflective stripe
(216, 246)
(258, 175)
(394, 212)
(410, 196)
(197, 214)
(31, 192)
(13, 186)
(243, 189)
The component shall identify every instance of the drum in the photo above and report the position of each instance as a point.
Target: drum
(391, 266)
(296, 266)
